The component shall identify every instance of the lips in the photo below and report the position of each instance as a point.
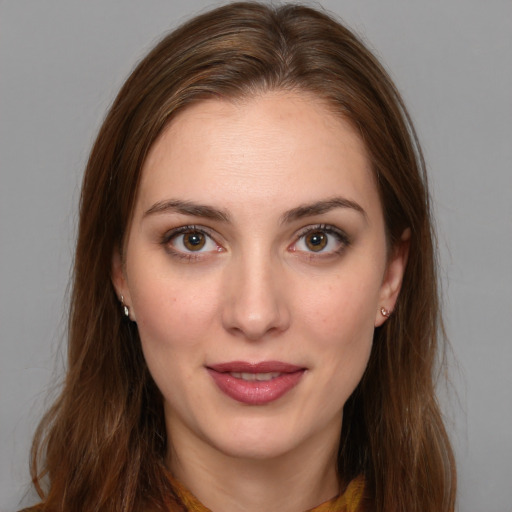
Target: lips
(256, 383)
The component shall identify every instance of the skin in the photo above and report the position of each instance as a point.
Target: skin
(256, 291)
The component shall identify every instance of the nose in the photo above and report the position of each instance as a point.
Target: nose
(255, 304)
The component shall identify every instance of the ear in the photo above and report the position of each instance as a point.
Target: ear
(118, 277)
(393, 277)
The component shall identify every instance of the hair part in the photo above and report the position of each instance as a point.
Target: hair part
(103, 443)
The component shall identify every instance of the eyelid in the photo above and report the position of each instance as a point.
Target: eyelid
(341, 236)
(189, 256)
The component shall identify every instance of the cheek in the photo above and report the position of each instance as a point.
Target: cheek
(340, 322)
(345, 305)
(172, 312)
(174, 320)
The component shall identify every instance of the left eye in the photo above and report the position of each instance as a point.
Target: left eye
(321, 240)
(192, 241)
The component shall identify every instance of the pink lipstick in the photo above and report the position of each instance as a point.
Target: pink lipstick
(255, 383)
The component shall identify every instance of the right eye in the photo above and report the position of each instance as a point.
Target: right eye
(189, 240)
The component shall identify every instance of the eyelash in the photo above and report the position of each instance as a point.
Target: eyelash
(186, 256)
(341, 237)
(192, 256)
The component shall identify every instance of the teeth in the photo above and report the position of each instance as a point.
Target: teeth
(255, 376)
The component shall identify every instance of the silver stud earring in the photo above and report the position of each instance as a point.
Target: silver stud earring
(126, 311)
(385, 312)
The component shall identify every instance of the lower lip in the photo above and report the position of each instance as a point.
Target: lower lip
(256, 392)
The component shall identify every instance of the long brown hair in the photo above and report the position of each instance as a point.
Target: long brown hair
(102, 445)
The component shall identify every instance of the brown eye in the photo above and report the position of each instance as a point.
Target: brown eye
(189, 241)
(316, 241)
(321, 240)
(194, 241)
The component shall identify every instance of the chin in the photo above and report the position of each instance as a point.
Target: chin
(259, 439)
(257, 448)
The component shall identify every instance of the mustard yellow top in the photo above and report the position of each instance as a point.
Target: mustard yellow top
(349, 501)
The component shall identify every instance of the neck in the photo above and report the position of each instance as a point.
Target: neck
(295, 481)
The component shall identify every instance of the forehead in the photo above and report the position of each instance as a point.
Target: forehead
(275, 149)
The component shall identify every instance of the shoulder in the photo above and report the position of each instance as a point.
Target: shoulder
(354, 494)
(352, 500)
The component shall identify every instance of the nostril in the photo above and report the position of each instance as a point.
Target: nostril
(255, 303)
(255, 328)
(256, 320)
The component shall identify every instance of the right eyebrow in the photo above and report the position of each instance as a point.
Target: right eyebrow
(188, 208)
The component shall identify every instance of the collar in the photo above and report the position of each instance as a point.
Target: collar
(349, 501)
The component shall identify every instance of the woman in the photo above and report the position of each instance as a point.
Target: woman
(254, 314)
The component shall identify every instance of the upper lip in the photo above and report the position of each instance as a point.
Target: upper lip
(261, 367)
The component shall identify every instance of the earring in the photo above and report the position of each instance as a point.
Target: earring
(385, 312)
(126, 311)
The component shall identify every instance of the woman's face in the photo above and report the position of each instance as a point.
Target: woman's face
(255, 267)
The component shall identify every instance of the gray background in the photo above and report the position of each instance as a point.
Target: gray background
(61, 63)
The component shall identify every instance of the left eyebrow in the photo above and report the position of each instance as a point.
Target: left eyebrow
(321, 207)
